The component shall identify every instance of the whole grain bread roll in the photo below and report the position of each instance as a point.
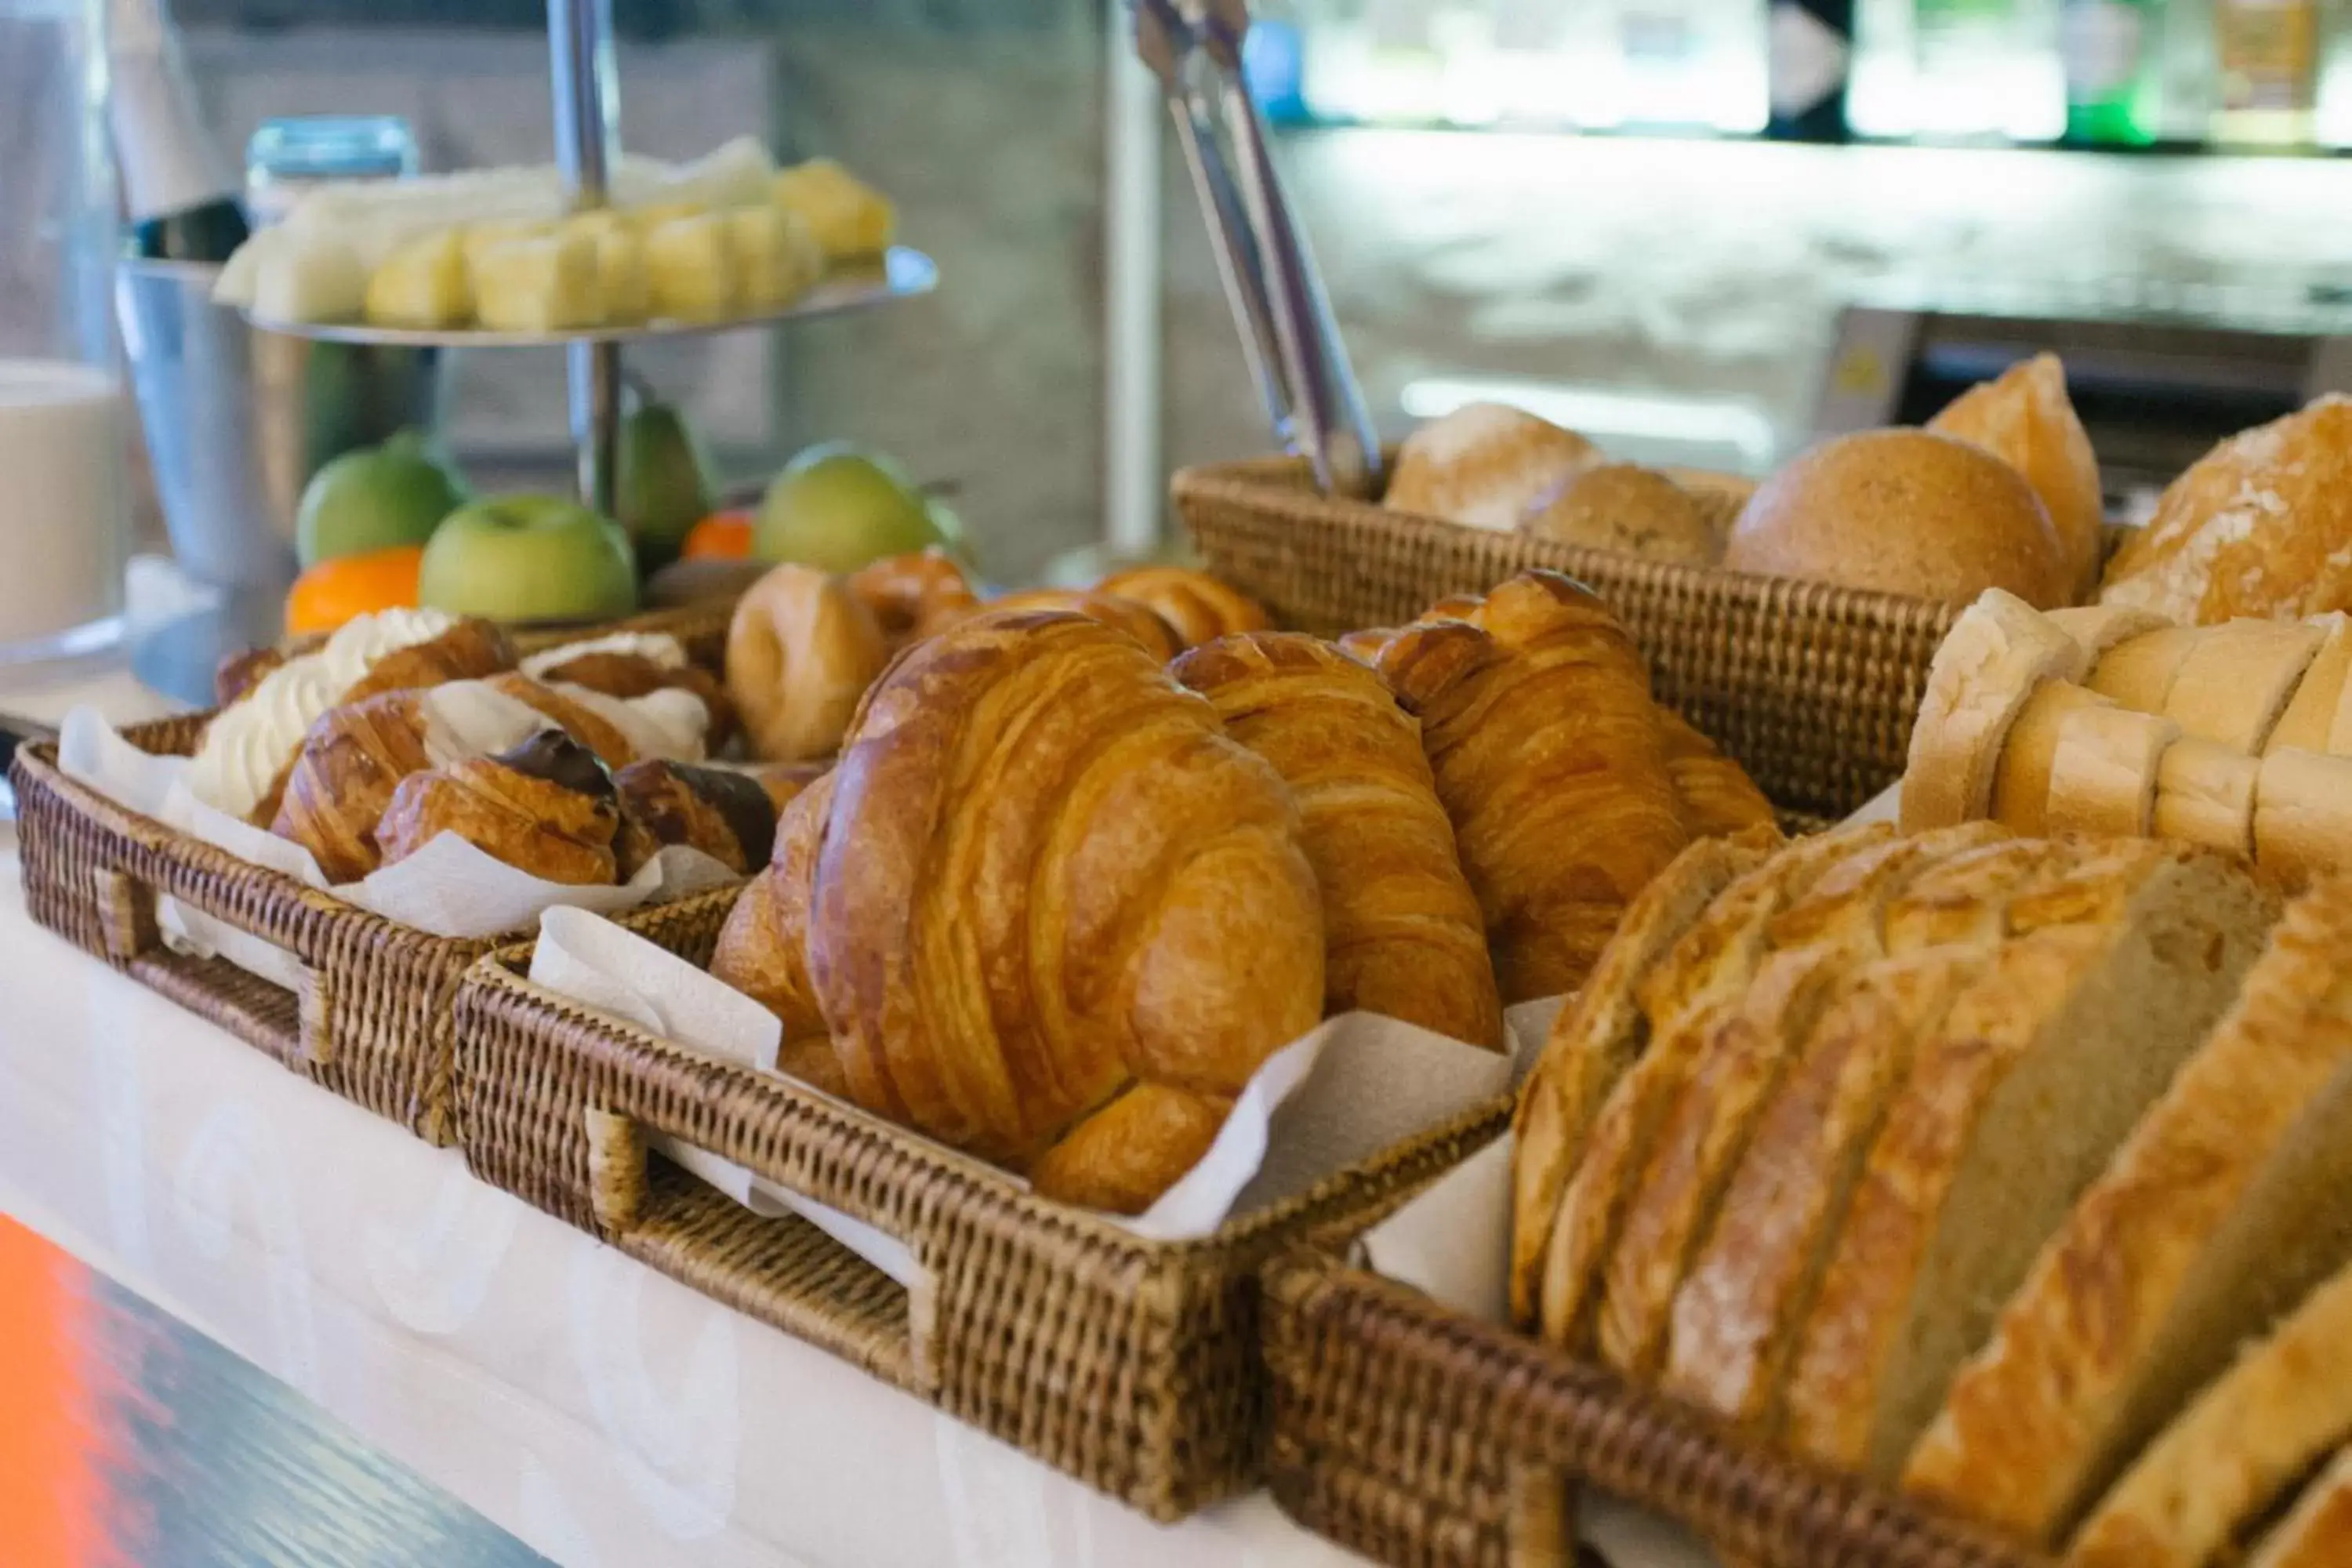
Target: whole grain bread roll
(1903, 511)
(2262, 525)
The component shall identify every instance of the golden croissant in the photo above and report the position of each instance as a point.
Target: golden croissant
(546, 807)
(352, 761)
(1055, 916)
(1199, 607)
(1403, 934)
(1536, 712)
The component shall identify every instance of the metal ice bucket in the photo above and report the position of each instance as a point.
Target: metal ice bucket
(238, 420)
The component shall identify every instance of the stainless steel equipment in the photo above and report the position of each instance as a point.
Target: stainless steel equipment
(238, 420)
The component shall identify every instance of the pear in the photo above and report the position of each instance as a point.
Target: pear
(662, 482)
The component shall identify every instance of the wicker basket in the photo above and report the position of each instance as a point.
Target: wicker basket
(1131, 1364)
(370, 1020)
(1426, 1439)
(1812, 688)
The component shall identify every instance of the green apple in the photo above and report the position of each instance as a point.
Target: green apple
(662, 488)
(838, 508)
(528, 558)
(374, 499)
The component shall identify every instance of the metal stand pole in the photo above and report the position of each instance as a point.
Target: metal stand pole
(587, 136)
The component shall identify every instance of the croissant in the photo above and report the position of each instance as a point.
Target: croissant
(1199, 607)
(913, 596)
(1054, 916)
(762, 948)
(546, 807)
(1401, 931)
(1536, 716)
(1717, 795)
(728, 815)
(1364, 645)
(1139, 621)
(627, 676)
(352, 761)
(469, 651)
(801, 651)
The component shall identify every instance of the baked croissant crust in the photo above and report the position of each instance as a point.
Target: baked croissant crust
(914, 596)
(1536, 717)
(1043, 876)
(629, 676)
(1200, 608)
(1717, 795)
(470, 650)
(1137, 620)
(801, 652)
(784, 781)
(352, 761)
(763, 948)
(547, 807)
(1402, 933)
(726, 814)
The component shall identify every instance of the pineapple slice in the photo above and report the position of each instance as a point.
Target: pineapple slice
(620, 264)
(305, 280)
(422, 284)
(849, 217)
(690, 269)
(776, 256)
(479, 237)
(546, 284)
(648, 218)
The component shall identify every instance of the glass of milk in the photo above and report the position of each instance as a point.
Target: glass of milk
(65, 428)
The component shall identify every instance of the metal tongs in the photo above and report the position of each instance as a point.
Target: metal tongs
(1288, 335)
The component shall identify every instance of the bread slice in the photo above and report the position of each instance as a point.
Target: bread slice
(1713, 1104)
(2205, 796)
(2020, 785)
(2302, 815)
(2013, 1106)
(2238, 678)
(2225, 1206)
(2138, 672)
(2318, 1533)
(1998, 651)
(2103, 777)
(2309, 722)
(1753, 1282)
(1597, 1036)
(2263, 1425)
(2099, 627)
(1712, 961)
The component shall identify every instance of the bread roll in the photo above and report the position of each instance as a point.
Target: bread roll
(2262, 525)
(2205, 796)
(1903, 511)
(1996, 655)
(2209, 1222)
(1483, 465)
(2318, 708)
(2302, 815)
(801, 651)
(2237, 679)
(2103, 777)
(2024, 418)
(1625, 508)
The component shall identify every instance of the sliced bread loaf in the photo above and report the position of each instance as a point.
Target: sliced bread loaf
(2236, 681)
(2226, 1204)
(2317, 1532)
(2310, 718)
(1597, 1036)
(2137, 672)
(2013, 1106)
(2302, 815)
(1998, 651)
(2266, 1424)
(2020, 788)
(2099, 627)
(2205, 796)
(1736, 1315)
(1681, 998)
(2103, 775)
(1840, 924)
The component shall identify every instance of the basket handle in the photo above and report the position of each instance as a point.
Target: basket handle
(132, 931)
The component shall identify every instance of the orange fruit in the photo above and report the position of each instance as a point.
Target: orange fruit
(721, 536)
(345, 586)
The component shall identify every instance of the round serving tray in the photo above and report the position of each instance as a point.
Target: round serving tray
(900, 273)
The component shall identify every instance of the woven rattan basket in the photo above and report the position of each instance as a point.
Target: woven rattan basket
(1131, 1364)
(1426, 1439)
(1810, 686)
(370, 1020)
